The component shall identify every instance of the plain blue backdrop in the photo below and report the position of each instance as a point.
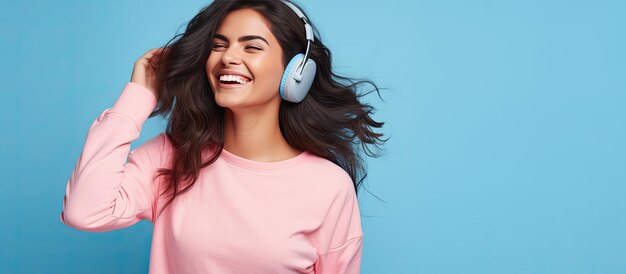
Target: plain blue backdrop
(507, 122)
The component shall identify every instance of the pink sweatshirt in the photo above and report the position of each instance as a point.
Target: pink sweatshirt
(298, 215)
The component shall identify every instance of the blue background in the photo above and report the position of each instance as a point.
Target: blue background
(507, 122)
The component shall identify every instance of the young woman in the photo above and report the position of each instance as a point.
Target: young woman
(258, 169)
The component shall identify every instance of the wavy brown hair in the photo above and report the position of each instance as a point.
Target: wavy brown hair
(330, 122)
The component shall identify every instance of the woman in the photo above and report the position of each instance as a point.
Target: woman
(248, 177)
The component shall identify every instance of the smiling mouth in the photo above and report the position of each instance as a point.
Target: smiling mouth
(230, 79)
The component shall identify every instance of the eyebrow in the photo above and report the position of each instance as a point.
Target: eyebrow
(242, 38)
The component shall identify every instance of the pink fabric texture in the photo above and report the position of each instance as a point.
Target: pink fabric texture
(298, 215)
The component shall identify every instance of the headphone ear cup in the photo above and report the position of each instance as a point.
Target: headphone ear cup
(292, 90)
(293, 63)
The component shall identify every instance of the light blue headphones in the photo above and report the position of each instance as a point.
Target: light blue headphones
(300, 71)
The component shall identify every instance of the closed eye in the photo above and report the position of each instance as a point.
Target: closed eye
(218, 45)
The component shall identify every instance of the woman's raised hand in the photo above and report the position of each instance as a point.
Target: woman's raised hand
(144, 71)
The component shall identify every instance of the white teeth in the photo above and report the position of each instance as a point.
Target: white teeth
(237, 78)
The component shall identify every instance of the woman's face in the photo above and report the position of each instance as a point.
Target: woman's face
(245, 65)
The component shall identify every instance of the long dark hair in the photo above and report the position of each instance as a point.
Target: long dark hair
(330, 122)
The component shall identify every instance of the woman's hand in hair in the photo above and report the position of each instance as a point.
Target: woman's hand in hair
(144, 71)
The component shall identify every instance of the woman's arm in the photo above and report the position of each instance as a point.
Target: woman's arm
(105, 192)
(342, 251)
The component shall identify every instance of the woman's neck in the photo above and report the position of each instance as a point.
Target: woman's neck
(255, 135)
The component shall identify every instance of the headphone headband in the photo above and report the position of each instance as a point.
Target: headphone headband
(307, 27)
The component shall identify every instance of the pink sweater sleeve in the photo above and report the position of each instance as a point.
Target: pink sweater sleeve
(343, 227)
(111, 188)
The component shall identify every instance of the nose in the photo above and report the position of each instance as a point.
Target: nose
(231, 57)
